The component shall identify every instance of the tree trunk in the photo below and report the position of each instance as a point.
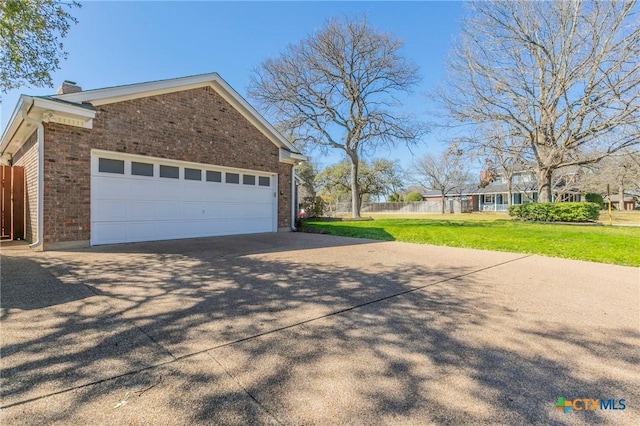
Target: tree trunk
(443, 201)
(621, 197)
(355, 189)
(543, 177)
(509, 191)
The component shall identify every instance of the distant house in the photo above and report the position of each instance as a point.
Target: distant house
(631, 201)
(495, 196)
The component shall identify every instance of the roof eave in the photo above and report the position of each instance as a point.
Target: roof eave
(14, 122)
(43, 110)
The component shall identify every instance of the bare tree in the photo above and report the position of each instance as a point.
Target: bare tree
(567, 182)
(621, 172)
(337, 89)
(446, 173)
(504, 156)
(563, 74)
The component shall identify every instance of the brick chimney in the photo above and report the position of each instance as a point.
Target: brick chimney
(68, 87)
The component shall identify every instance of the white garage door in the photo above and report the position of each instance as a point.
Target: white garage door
(138, 198)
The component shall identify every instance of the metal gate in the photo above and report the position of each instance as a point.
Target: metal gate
(12, 202)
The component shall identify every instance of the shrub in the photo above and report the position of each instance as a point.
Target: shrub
(395, 198)
(594, 198)
(556, 212)
(313, 206)
(413, 196)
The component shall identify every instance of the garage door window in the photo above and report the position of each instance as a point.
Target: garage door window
(248, 180)
(214, 176)
(141, 169)
(192, 174)
(169, 172)
(264, 181)
(232, 177)
(107, 165)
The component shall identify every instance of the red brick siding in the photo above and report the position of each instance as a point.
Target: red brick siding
(196, 125)
(27, 157)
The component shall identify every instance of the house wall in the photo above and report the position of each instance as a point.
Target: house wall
(475, 203)
(27, 157)
(432, 198)
(196, 125)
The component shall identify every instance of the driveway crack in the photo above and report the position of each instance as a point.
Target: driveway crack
(232, 377)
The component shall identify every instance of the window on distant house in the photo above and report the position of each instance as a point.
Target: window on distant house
(517, 198)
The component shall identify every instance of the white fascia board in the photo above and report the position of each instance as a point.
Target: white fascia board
(61, 108)
(133, 91)
(14, 123)
(290, 157)
(61, 112)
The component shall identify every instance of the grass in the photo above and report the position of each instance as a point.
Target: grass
(624, 217)
(630, 217)
(605, 244)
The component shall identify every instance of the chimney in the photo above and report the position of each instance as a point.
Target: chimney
(68, 87)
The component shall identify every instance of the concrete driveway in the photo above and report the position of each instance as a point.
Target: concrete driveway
(303, 329)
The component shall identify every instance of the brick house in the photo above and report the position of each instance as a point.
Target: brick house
(179, 158)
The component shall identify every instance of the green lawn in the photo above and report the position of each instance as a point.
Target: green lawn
(605, 244)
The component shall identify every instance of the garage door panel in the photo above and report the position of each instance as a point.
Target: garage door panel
(109, 210)
(139, 210)
(191, 192)
(142, 189)
(168, 230)
(242, 194)
(262, 196)
(126, 208)
(239, 226)
(193, 210)
(109, 232)
(167, 210)
(141, 231)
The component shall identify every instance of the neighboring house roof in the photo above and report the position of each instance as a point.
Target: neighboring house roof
(78, 108)
(616, 198)
(493, 188)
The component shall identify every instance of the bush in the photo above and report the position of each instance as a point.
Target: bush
(594, 198)
(556, 212)
(395, 198)
(312, 206)
(413, 196)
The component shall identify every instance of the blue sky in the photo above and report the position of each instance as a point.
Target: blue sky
(118, 43)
